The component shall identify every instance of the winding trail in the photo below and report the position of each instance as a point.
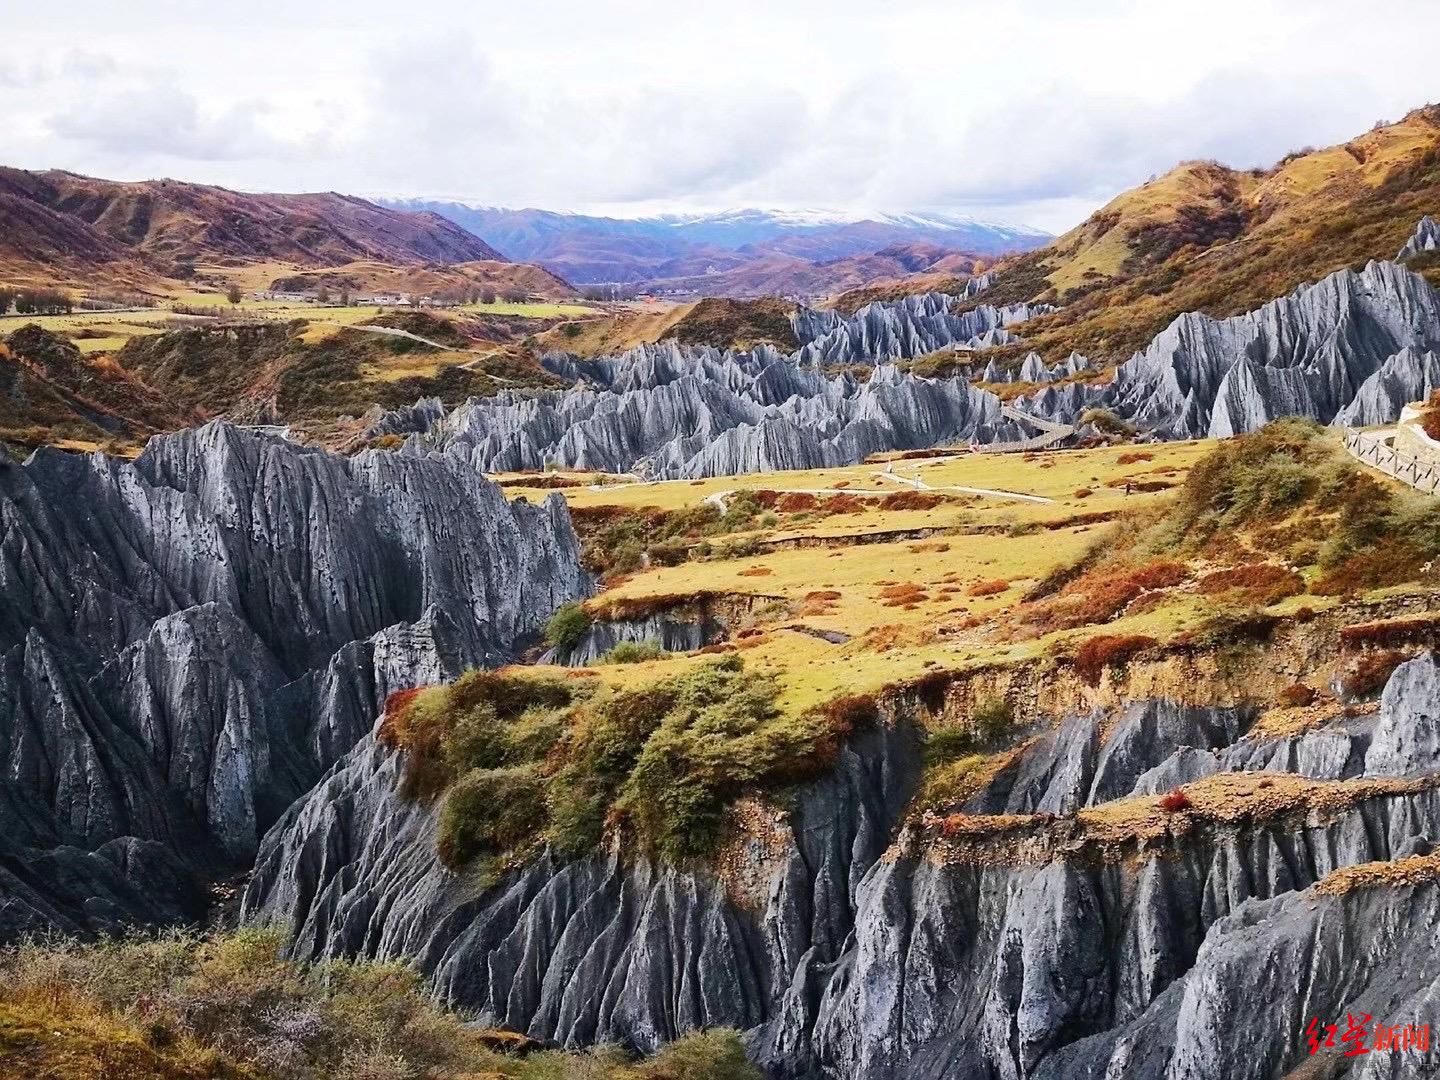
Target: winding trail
(997, 493)
(390, 331)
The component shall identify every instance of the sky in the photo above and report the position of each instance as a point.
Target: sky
(1024, 111)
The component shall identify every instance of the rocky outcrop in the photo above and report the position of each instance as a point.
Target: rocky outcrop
(849, 944)
(1405, 377)
(674, 411)
(904, 329)
(1425, 238)
(668, 410)
(1341, 350)
(188, 641)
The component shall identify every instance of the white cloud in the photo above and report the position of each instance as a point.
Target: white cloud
(1032, 110)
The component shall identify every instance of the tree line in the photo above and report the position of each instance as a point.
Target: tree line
(35, 302)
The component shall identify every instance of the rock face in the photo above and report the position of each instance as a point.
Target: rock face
(848, 945)
(1348, 349)
(188, 641)
(670, 411)
(676, 411)
(904, 329)
(1425, 238)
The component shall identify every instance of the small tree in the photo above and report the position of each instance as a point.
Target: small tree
(567, 626)
(487, 295)
(234, 295)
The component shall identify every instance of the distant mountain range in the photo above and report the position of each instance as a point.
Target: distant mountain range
(585, 249)
(78, 232)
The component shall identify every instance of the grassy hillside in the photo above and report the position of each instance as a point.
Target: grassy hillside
(1205, 237)
(1041, 584)
(84, 381)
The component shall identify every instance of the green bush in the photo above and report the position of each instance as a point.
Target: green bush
(992, 718)
(491, 811)
(704, 1055)
(526, 761)
(633, 652)
(568, 626)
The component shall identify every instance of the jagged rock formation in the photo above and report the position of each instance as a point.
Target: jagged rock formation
(904, 329)
(669, 410)
(189, 640)
(1033, 369)
(1405, 377)
(1425, 238)
(845, 949)
(1350, 349)
(1346, 349)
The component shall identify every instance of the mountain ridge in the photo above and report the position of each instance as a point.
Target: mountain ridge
(588, 248)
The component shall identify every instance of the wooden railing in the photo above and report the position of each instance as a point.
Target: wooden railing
(1377, 452)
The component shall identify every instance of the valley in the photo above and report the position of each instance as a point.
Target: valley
(1015, 659)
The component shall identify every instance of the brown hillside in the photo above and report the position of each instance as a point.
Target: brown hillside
(788, 275)
(1205, 237)
(735, 324)
(50, 393)
(174, 220)
(430, 280)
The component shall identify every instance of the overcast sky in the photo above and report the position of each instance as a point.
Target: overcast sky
(1031, 111)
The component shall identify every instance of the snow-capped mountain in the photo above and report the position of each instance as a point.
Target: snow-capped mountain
(589, 248)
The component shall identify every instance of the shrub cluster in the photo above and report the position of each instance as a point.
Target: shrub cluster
(1263, 583)
(1104, 593)
(528, 761)
(1369, 674)
(633, 652)
(567, 627)
(1107, 651)
(180, 1005)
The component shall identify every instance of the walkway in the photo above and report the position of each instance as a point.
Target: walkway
(1376, 448)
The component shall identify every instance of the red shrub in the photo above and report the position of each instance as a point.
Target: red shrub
(1108, 650)
(1101, 595)
(1419, 628)
(911, 500)
(1268, 582)
(1175, 801)
(843, 504)
(796, 503)
(1131, 458)
(1371, 672)
(1298, 694)
(1430, 421)
(989, 588)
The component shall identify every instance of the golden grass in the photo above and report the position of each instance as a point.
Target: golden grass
(1397, 874)
(1110, 830)
(617, 331)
